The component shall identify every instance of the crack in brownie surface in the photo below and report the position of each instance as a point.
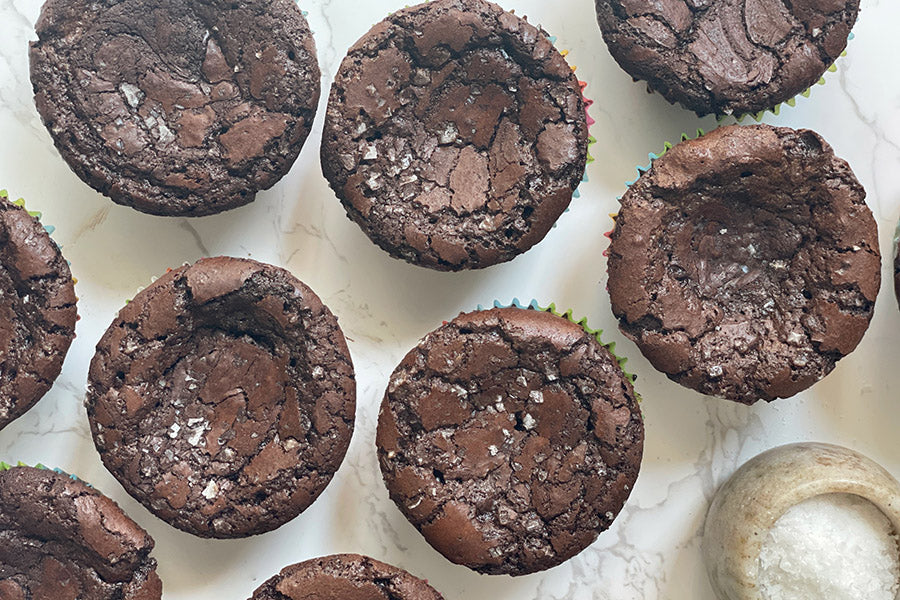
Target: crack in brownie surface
(347, 577)
(62, 540)
(745, 263)
(37, 311)
(510, 438)
(172, 107)
(727, 56)
(455, 134)
(223, 397)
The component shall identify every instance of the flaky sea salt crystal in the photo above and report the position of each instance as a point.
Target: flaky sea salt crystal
(529, 422)
(211, 490)
(133, 94)
(834, 546)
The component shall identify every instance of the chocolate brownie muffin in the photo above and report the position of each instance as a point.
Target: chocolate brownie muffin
(223, 397)
(510, 438)
(176, 108)
(37, 311)
(344, 577)
(455, 135)
(897, 268)
(727, 56)
(63, 540)
(745, 263)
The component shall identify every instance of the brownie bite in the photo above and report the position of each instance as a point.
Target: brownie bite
(510, 438)
(223, 397)
(455, 134)
(61, 539)
(745, 263)
(176, 108)
(344, 577)
(37, 311)
(727, 56)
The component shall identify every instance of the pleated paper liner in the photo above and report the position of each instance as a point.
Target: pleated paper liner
(776, 110)
(590, 121)
(568, 315)
(6, 467)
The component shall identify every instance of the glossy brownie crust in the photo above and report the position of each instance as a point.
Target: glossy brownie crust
(63, 540)
(223, 397)
(344, 577)
(455, 135)
(510, 438)
(745, 263)
(172, 107)
(727, 56)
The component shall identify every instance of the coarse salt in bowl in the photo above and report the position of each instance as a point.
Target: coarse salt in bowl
(805, 521)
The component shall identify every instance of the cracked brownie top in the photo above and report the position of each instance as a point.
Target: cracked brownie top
(344, 577)
(61, 539)
(455, 134)
(727, 56)
(510, 438)
(223, 397)
(745, 263)
(37, 311)
(173, 107)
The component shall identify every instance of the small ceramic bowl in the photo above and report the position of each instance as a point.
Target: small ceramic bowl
(761, 491)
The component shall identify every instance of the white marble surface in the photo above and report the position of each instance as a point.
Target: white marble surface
(693, 443)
